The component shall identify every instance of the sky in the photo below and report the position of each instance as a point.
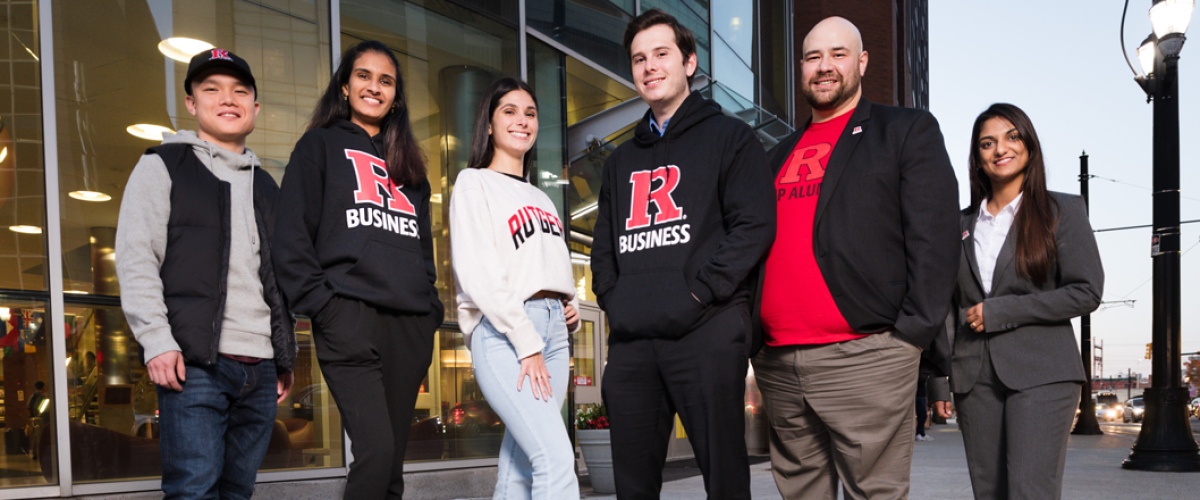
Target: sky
(1061, 62)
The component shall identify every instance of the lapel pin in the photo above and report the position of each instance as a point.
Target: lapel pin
(857, 130)
(965, 234)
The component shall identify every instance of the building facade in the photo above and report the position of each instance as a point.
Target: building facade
(86, 87)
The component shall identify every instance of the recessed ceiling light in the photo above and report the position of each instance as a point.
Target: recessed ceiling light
(25, 229)
(182, 49)
(89, 196)
(147, 131)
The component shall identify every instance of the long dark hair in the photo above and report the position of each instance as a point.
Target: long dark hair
(1036, 220)
(482, 148)
(405, 161)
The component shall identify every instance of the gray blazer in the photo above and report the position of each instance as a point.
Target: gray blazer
(1028, 325)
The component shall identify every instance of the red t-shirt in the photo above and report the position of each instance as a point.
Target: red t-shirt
(797, 307)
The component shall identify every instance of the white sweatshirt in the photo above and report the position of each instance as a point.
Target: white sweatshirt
(507, 244)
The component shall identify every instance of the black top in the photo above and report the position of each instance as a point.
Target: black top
(681, 221)
(345, 229)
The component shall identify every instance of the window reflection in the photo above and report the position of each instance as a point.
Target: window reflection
(116, 68)
(26, 412)
(114, 407)
(594, 28)
(22, 199)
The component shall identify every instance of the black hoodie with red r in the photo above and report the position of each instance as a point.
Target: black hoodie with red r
(345, 229)
(687, 214)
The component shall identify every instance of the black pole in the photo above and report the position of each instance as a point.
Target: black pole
(1165, 443)
(1086, 424)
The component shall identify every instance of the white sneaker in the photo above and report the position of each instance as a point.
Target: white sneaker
(924, 438)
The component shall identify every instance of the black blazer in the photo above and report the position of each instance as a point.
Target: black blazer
(1028, 325)
(886, 223)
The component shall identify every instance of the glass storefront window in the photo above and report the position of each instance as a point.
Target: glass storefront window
(594, 28)
(448, 57)
(115, 67)
(546, 75)
(694, 15)
(23, 203)
(729, 70)
(26, 412)
(733, 47)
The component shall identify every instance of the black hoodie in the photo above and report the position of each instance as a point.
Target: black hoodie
(688, 213)
(344, 229)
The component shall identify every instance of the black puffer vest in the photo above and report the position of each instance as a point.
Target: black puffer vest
(196, 265)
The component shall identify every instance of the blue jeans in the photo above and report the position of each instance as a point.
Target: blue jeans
(537, 460)
(214, 434)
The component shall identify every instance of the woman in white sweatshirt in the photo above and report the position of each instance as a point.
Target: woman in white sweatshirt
(516, 296)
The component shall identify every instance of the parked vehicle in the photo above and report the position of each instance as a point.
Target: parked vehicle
(1134, 409)
(1194, 408)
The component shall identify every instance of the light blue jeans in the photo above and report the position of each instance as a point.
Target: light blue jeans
(537, 460)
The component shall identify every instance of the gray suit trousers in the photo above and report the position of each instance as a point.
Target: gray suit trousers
(1016, 441)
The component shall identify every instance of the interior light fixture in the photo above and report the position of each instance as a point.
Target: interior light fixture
(75, 292)
(148, 132)
(25, 229)
(182, 49)
(89, 196)
(3, 153)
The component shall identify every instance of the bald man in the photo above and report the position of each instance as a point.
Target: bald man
(857, 282)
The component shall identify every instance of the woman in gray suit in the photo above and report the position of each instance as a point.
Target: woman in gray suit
(1029, 264)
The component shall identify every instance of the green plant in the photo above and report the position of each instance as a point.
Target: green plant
(592, 417)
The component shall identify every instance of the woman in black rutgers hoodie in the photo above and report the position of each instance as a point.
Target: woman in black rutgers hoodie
(353, 252)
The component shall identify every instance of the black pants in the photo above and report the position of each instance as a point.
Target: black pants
(702, 377)
(922, 415)
(374, 360)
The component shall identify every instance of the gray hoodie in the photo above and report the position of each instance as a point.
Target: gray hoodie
(142, 244)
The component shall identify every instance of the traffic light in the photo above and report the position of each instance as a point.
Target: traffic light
(1148, 350)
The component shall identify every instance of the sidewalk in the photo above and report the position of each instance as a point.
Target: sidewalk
(1093, 471)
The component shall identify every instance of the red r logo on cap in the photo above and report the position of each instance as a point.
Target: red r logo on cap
(219, 54)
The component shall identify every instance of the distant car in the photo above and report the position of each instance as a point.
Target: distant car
(1106, 398)
(1133, 410)
(1107, 413)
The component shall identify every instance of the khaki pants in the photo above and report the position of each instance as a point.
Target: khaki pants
(841, 411)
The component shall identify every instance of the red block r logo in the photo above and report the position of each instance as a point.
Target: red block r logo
(639, 210)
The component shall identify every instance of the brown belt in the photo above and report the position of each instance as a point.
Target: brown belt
(546, 295)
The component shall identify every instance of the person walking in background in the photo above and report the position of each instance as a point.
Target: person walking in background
(922, 408)
(856, 284)
(199, 290)
(355, 254)
(516, 296)
(1029, 264)
(684, 215)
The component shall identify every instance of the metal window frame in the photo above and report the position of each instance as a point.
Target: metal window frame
(58, 348)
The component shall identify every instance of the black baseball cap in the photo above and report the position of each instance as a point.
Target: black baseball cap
(218, 58)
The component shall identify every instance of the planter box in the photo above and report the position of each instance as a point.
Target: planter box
(596, 446)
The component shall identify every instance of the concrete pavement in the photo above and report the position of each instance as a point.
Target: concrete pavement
(1093, 471)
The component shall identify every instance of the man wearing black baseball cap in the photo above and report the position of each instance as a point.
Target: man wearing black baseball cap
(199, 290)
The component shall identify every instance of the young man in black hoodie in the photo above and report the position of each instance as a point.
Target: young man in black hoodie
(685, 212)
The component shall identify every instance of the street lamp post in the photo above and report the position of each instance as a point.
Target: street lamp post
(1086, 424)
(1165, 442)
